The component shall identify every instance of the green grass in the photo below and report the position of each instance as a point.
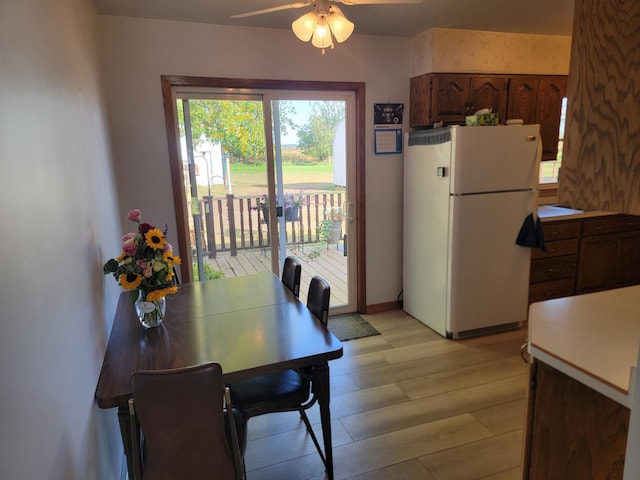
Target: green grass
(251, 179)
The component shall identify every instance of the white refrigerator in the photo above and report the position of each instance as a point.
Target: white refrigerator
(467, 192)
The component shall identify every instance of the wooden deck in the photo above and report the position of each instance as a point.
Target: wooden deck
(330, 263)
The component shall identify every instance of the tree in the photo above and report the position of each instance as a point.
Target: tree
(316, 136)
(238, 125)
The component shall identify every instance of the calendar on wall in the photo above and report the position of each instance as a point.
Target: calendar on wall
(388, 140)
(387, 130)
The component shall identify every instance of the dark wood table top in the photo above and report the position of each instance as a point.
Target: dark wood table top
(250, 325)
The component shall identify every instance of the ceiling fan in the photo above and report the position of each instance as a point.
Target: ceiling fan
(325, 21)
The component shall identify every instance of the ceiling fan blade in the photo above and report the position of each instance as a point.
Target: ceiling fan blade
(379, 2)
(273, 9)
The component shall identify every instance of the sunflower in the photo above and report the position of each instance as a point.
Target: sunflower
(169, 258)
(155, 238)
(129, 281)
(158, 294)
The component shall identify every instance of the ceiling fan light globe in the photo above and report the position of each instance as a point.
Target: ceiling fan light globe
(304, 27)
(341, 27)
(322, 37)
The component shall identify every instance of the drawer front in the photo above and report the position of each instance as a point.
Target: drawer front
(557, 248)
(539, 292)
(555, 268)
(560, 230)
(611, 224)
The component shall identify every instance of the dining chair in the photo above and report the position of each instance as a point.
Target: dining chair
(184, 425)
(291, 273)
(287, 390)
(318, 298)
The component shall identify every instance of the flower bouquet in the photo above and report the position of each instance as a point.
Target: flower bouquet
(145, 268)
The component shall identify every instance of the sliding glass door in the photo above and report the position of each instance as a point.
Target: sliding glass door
(266, 175)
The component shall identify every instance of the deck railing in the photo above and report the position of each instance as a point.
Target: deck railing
(231, 223)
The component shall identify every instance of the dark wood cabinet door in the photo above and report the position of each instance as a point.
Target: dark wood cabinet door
(420, 101)
(626, 267)
(489, 92)
(450, 98)
(523, 95)
(576, 433)
(595, 264)
(551, 91)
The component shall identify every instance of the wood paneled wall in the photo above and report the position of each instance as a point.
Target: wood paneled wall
(601, 158)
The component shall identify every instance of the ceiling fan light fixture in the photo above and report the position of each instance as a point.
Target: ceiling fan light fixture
(322, 35)
(304, 27)
(340, 25)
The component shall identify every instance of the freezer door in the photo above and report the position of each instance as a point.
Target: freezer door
(489, 272)
(425, 239)
(491, 159)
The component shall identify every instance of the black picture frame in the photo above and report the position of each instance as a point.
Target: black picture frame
(388, 113)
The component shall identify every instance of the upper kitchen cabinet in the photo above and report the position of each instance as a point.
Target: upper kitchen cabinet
(449, 97)
(538, 99)
(443, 97)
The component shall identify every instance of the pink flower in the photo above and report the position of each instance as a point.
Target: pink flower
(134, 215)
(130, 248)
(129, 244)
(146, 268)
(129, 237)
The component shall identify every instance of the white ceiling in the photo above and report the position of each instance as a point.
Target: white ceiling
(550, 17)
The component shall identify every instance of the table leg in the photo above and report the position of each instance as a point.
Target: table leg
(321, 383)
(125, 433)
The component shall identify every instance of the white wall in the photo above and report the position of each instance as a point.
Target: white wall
(59, 224)
(137, 52)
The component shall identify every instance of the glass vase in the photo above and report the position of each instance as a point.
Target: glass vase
(150, 314)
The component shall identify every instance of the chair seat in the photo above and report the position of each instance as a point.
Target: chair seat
(287, 389)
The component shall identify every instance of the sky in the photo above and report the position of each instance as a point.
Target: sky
(303, 110)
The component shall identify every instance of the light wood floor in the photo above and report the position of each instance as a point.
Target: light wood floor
(328, 262)
(408, 404)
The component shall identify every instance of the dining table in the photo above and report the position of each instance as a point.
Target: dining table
(250, 325)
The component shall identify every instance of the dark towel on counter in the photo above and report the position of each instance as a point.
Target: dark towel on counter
(531, 234)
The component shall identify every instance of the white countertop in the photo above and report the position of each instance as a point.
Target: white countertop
(555, 212)
(593, 338)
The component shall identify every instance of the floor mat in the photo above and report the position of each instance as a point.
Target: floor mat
(350, 326)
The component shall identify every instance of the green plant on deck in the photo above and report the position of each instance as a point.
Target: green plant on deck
(209, 272)
(324, 230)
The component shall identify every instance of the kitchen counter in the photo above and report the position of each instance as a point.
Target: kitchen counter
(555, 212)
(592, 338)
